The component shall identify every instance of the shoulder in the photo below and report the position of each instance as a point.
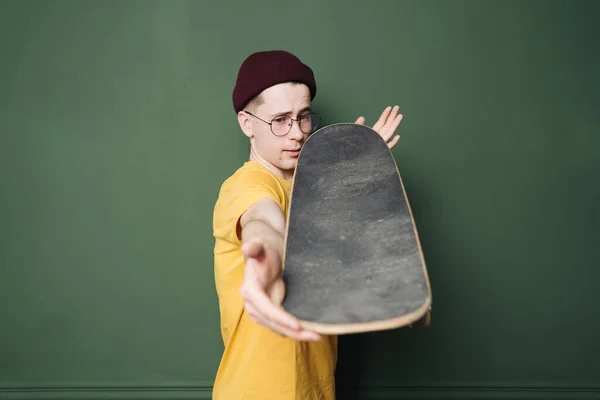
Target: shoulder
(252, 173)
(252, 178)
(251, 184)
(248, 185)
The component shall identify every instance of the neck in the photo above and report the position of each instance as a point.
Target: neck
(254, 156)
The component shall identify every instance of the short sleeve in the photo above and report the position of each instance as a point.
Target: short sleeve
(238, 194)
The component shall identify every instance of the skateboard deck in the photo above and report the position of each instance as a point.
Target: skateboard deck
(352, 257)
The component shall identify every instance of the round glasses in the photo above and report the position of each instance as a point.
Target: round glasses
(282, 125)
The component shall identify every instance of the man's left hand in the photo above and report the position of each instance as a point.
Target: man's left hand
(386, 125)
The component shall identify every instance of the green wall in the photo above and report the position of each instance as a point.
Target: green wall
(116, 131)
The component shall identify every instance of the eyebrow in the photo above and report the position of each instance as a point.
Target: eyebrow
(307, 108)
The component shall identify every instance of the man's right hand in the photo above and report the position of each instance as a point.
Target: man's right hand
(263, 291)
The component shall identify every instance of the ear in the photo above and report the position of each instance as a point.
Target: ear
(245, 124)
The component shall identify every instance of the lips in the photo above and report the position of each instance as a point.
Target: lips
(293, 153)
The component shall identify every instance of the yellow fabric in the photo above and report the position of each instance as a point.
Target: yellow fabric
(258, 364)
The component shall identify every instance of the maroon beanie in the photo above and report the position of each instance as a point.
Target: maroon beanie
(264, 69)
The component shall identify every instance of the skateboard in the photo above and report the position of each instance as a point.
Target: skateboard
(352, 258)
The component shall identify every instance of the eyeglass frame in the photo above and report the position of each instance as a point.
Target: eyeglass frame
(293, 120)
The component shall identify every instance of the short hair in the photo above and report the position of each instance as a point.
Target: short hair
(258, 100)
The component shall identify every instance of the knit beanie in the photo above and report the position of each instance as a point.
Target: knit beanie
(264, 69)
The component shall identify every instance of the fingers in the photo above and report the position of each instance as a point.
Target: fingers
(382, 119)
(263, 292)
(388, 122)
(389, 130)
(394, 120)
(282, 330)
(262, 311)
(394, 141)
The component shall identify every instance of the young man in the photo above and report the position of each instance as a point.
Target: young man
(267, 355)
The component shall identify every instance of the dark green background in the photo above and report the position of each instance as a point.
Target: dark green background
(116, 131)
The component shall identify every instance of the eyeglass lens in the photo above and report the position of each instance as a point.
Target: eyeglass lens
(283, 124)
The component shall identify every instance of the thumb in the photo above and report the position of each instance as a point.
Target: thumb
(360, 121)
(278, 292)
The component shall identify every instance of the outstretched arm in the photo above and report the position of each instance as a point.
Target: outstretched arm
(262, 230)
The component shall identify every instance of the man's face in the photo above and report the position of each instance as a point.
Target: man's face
(279, 153)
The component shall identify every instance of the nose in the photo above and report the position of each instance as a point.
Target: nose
(295, 132)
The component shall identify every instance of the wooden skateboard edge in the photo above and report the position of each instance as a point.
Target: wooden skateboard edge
(420, 317)
(406, 320)
(425, 319)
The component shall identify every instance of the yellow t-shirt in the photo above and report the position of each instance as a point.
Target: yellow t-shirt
(258, 364)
